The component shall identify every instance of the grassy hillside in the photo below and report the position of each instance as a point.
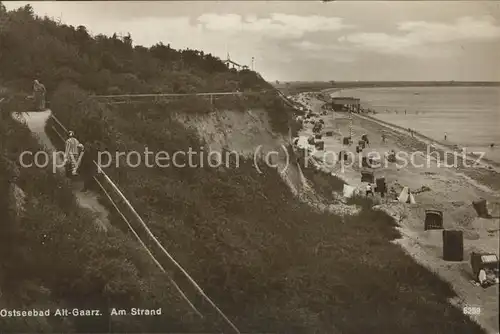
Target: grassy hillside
(53, 256)
(270, 262)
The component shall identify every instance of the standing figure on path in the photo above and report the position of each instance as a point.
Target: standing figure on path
(383, 137)
(39, 95)
(71, 153)
(445, 136)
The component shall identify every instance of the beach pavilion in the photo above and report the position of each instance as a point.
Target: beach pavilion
(347, 104)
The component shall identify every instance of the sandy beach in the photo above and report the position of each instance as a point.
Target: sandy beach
(449, 189)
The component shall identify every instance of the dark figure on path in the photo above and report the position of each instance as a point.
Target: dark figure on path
(405, 111)
(445, 136)
(88, 169)
(39, 95)
(383, 138)
(492, 145)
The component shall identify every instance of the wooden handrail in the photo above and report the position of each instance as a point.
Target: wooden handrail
(174, 95)
(151, 235)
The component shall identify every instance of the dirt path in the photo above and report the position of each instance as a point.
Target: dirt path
(89, 200)
(452, 190)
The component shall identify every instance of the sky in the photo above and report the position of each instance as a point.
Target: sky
(311, 40)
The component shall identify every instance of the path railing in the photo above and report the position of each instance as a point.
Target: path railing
(150, 243)
(174, 95)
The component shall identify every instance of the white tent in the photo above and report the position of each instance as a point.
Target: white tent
(406, 196)
(348, 191)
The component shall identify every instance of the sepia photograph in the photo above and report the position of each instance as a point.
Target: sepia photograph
(295, 167)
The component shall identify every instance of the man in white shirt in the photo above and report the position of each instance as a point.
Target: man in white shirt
(369, 189)
(72, 152)
(482, 277)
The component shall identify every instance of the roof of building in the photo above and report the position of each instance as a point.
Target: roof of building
(231, 62)
(345, 100)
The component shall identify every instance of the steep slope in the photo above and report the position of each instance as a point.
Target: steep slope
(52, 256)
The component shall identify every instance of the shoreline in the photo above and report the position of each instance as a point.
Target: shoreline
(494, 164)
(449, 146)
(484, 172)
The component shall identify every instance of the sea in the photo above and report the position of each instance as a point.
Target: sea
(468, 116)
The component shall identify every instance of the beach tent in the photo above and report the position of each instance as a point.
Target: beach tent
(391, 156)
(453, 245)
(367, 177)
(343, 156)
(406, 196)
(366, 162)
(481, 208)
(317, 127)
(320, 145)
(348, 191)
(381, 186)
(433, 220)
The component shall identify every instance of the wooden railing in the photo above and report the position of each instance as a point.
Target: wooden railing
(145, 237)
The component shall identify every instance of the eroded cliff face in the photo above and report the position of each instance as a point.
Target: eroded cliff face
(250, 134)
(237, 131)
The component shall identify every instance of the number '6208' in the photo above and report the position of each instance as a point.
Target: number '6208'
(474, 310)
